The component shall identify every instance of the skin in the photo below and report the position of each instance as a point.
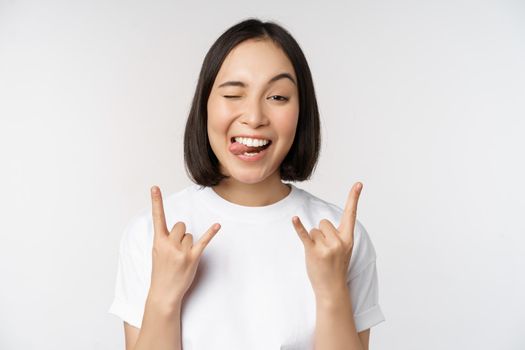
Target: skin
(175, 261)
(328, 251)
(258, 108)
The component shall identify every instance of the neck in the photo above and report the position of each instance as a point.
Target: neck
(263, 193)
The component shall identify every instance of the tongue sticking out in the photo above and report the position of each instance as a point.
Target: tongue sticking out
(238, 148)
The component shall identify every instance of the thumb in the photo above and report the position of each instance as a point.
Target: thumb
(302, 232)
(206, 238)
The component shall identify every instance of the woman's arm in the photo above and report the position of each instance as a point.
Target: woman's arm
(328, 252)
(160, 327)
(335, 326)
(174, 263)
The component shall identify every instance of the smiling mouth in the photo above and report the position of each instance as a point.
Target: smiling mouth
(240, 148)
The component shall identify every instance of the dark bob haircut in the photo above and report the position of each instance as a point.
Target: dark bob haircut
(201, 163)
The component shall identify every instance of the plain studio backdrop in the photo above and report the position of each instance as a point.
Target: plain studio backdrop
(421, 101)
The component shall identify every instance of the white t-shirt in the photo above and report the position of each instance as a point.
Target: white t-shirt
(251, 289)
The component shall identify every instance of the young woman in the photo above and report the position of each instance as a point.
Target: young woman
(285, 269)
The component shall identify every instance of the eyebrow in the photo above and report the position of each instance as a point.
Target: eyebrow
(277, 77)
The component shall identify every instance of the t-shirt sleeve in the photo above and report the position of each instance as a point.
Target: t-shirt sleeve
(133, 273)
(363, 282)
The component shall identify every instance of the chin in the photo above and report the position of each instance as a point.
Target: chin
(248, 179)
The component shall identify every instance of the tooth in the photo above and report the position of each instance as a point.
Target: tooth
(251, 142)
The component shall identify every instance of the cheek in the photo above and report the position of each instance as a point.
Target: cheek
(216, 121)
(219, 115)
(287, 123)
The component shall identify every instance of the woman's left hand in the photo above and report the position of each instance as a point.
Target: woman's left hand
(328, 250)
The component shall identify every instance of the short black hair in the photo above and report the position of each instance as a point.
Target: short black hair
(202, 166)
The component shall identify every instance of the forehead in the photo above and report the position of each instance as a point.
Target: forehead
(255, 60)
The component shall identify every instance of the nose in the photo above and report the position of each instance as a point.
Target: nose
(254, 115)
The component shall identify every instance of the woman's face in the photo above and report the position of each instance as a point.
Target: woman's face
(252, 98)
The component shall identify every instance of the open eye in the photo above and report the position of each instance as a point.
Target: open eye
(280, 98)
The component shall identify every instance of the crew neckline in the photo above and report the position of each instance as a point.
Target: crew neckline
(239, 212)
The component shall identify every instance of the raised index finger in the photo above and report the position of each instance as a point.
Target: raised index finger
(159, 219)
(346, 227)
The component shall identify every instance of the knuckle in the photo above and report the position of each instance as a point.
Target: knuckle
(184, 257)
(325, 253)
(179, 225)
(338, 245)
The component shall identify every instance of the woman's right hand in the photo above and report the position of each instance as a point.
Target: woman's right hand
(175, 257)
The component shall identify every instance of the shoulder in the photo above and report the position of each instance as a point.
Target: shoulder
(316, 208)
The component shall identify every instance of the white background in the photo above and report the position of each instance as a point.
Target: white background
(421, 101)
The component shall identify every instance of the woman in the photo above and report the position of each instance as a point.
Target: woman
(266, 281)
